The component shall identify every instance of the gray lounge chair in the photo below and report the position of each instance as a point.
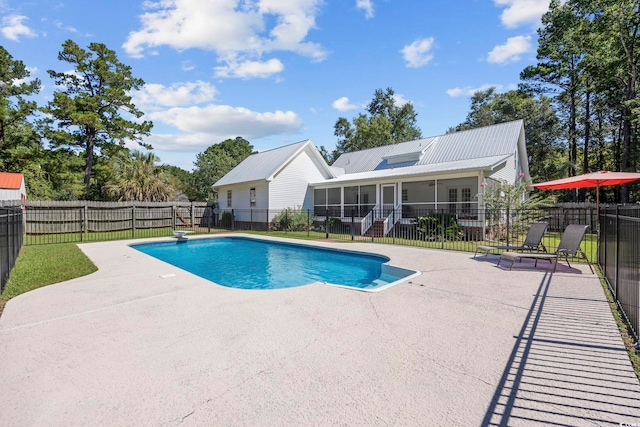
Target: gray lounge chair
(532, 243)
(569, 247)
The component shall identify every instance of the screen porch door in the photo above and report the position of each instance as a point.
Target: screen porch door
(388, 198)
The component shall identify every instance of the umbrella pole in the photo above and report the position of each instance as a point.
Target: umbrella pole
(598, 207)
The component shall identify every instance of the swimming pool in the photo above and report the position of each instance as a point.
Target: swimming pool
(247, 263)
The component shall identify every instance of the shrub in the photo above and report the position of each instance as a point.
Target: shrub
(226, 220)
(291, 219)
(430, 227)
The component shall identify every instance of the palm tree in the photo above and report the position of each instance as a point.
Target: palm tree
(137, 178)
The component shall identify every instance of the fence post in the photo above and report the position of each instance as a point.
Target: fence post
(82, 210)
(193, 216)
(617, 260)
(442, 214)
(173, 217)
(133, 221)
(233, 220)
(326, 226)
(508, 224)
(308, 221)
(353, 227)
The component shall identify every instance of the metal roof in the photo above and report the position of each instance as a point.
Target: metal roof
(489, 141)
(263, 165)
(483, 163)
(11, 180)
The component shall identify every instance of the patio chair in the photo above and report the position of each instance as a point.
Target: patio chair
(569, 247)
(532, 243)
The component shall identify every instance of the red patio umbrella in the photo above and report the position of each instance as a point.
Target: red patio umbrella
(590, 180)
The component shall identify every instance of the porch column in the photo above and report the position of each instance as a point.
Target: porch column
(435, 188)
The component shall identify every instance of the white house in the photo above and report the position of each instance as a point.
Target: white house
(12, 189)
(447, 172)
(274, 179)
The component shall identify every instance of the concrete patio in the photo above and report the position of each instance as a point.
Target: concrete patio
(467, 343)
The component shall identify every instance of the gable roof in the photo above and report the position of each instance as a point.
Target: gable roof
(491, 141)
(11, 180)
(263, 166)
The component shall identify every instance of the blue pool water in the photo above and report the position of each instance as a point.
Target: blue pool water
(256, 264)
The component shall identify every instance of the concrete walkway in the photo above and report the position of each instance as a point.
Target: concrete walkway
(467, 343)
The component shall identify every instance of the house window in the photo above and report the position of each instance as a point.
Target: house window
(405, 195)
(228, 198)
(252, 197)
(453, 200)
(466, 200)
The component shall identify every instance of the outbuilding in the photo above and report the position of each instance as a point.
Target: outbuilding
(12, 189)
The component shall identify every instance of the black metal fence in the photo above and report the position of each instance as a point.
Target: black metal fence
(11, 233)
(619, 258)
(440, 228)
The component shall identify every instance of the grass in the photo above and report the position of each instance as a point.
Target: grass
(43, 265)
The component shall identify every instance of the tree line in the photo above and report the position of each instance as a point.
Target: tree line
(579, 103)
(74, 147)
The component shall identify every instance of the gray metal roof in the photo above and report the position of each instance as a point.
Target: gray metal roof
(261, 166)
(436, 168)
(489, 141)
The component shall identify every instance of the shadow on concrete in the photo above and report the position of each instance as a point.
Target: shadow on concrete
(568, 365)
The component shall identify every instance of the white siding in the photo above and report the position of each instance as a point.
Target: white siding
(9, 194)
(240, 196)
(290, 187)
(506, 173)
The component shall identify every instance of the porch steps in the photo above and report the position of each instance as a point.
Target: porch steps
(377, 229)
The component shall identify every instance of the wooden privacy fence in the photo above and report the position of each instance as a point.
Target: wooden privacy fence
(54, 217)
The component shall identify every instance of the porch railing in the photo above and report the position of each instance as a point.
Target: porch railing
(389, 221)
(367, 222)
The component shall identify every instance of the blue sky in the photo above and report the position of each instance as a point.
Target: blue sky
(280, 71)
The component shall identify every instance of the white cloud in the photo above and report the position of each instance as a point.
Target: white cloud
(250, 69)
(418, 53)
(520, 12)
(210, 124)
(69, 28)
(190, 142)
(342, 104)
(469, 91)
(510, 51)
(238, 31)
(399, 100)
(13, 28)
(366, 6)
(188, 66)
(154, 95)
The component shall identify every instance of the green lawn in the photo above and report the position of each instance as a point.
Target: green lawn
(44, 265)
